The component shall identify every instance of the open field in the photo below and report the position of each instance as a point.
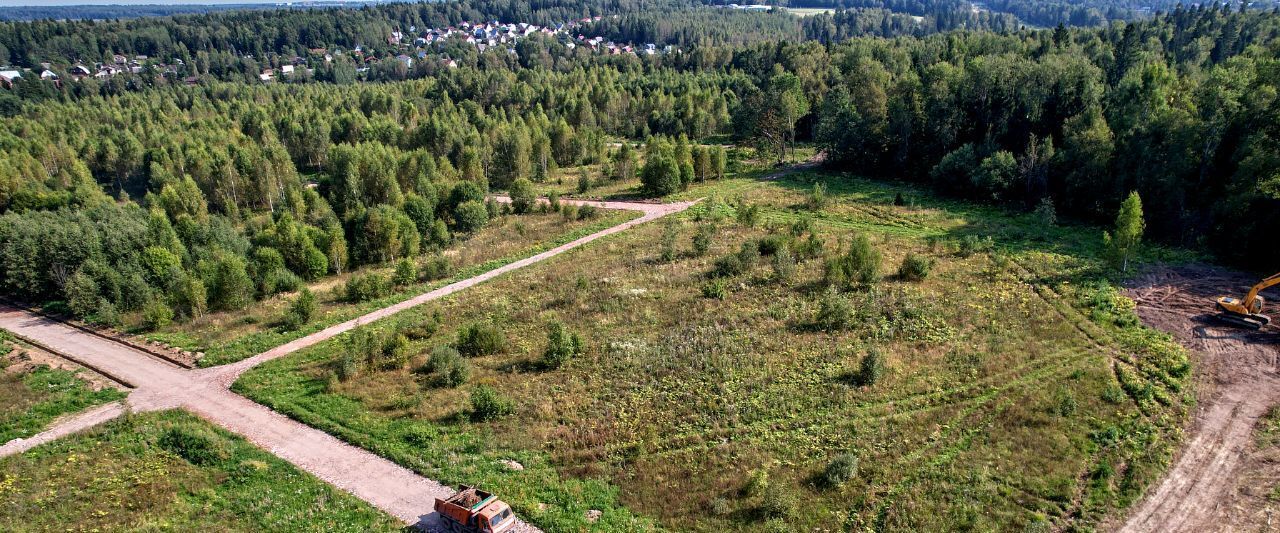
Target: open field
(1018, 388)
(166, 471)
(230, 336)
(37, 388)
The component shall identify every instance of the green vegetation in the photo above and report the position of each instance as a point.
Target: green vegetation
(166, 470)
(935, 381)
(30, 399)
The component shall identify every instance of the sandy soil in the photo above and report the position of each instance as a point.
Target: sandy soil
(1212, 485)
(24, 358)
(160, 384)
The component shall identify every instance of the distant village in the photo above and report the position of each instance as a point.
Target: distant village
(414, 45)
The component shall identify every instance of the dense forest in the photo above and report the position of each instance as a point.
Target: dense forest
(182, 198)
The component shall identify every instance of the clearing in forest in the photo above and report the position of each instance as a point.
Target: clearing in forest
(997, 382)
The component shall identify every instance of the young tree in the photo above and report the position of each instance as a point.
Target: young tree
(523, 198)
(1128, 233)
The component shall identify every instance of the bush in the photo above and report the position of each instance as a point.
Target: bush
(406, 273)
(587, 212)
(522, 196)
(553, 202)
(915, 267)
(871, 369)
(437, 267)
(470, 216)
(898, 200)
(280, 280)
(584, 183)
(784, 265)
(809, 248)
(757, 483)
(367, 287)
(301, 311)
(840, 470)
(199, 447)
(669, 234)
(561, 345)
(835, 313)
(748, 214)
(480, 338)
(156, 314)
(779, 502)
(817, 197)
(487, 404)
(729, 265)
(702, 239)
(973, 244)
(716, 289)
(447, 367)
(345, 367)
(1046, 212)
(394, 353)
(860, 265)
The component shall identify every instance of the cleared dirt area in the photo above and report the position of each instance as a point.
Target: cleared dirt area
(1211, 485)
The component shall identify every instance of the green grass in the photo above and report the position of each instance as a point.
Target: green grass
(1020, 389)
(122, 476)
(221, 348)
(29, 401)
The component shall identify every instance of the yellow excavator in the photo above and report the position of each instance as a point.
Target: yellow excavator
(1247, 312)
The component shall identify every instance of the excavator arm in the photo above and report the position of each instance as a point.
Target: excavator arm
(1261, 286)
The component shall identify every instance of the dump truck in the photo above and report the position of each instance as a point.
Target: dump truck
(475, 511)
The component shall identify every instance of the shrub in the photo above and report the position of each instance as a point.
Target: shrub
(729, 265)
(480, 338)
(915, 267)
(522, 196)
(301, 311)
(406, 273)
(584, 183)
(749, 254)
(784, 265)
(553, 202)
(569, 211)
(871, 369)
(345, 367)
(669, 234)
(447, 367)
(394, 353)
(817, 197)
(748, 214)
(834, 312)
(973, 244)
(280, 280)
(435, 268)
(587, 212)
(808, 248)
(362, 288)
(860, 265)
(199, 447)
(840, 470)
(802, 225)
(425, 329)
(716, 289)
(757, 483)
(898, 200)
(487, 404)
(770, 244)
(1046, 212)
(156, 314)
(779, 502)
(721, 507)
(470, 216)
(702, 239)
(561, 345)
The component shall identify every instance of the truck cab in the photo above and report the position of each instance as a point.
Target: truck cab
(471, 510)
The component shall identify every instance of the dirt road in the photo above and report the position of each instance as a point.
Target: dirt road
(162, 385)
(1239, 381)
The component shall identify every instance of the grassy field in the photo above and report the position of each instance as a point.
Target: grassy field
(230, 336)
(1014, 387)
(33, 395)
(170, 471)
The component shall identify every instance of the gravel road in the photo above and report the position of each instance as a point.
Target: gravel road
(162, 385)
